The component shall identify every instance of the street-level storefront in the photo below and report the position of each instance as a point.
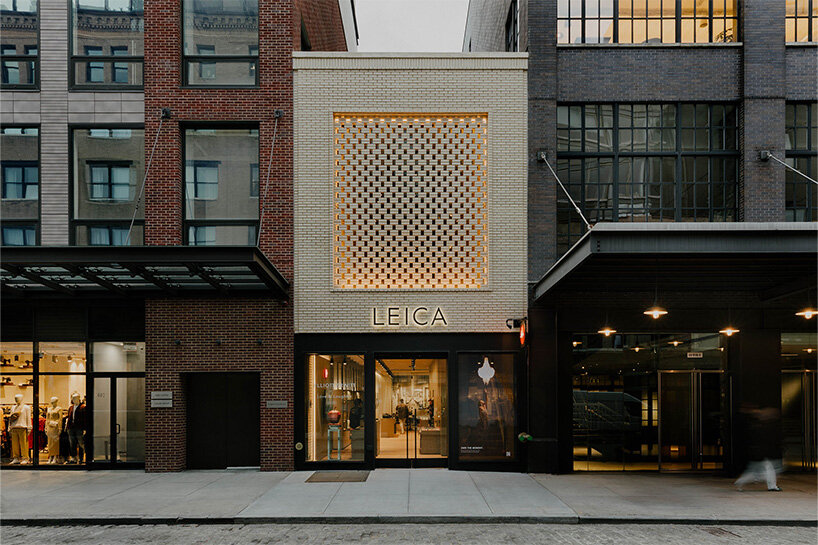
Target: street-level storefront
(116, 357)
(410, 260)
(656, 345)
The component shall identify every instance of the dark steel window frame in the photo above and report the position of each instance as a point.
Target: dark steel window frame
(73, 222)
(32, 221)
(194, 222)
(810, 151)
(75, 60)
(615, 154)
(810, 17)
(512, 27)
(23, 182)
(20, 224)
(33, 60)
(108, 184)
(615, 19)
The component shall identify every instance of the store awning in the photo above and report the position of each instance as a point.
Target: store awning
(773, 260)
(139, 271)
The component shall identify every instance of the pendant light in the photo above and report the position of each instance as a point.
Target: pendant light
(729, 331)
(655, 311)
(606, 329)
(810, 310)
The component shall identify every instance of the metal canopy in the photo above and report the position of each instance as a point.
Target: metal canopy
(771, 259)
(139, 271)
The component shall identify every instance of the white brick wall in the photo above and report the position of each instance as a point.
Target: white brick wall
(326, 83)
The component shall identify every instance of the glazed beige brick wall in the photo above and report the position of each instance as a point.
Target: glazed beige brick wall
(329, 83)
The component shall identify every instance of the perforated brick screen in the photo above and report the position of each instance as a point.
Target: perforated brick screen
(410, 201)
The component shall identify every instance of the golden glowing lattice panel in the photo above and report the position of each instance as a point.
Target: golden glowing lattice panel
(410, 202)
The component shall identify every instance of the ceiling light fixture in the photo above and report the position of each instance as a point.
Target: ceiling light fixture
(655, 312)
(729, 331)
(807, 313)
(607, 331)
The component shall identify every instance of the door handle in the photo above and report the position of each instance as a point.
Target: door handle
(118, 429)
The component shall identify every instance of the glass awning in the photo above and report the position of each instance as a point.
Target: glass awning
(139, 271)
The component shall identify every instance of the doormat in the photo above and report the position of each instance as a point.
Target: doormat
(338, 477)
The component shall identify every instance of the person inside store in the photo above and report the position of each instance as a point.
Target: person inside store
(19, 426)
(75, 425)
(356, 414)
(402, 413)
(431, 412)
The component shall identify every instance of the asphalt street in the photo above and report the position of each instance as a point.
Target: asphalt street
(409, 534)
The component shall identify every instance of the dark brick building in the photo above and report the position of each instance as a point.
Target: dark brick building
(653, 116)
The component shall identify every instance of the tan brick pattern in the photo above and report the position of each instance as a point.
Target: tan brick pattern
(410, 201)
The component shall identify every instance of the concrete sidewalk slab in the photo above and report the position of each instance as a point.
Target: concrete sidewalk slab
(395, 495)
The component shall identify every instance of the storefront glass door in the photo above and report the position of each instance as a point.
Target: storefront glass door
(690, 420)
(411, 409)
(119, 419)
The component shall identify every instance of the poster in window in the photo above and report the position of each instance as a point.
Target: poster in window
(486, 413)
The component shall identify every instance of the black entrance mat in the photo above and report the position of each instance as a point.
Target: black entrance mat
(338, 477)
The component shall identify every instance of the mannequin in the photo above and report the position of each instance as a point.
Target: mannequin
(53, 418)
(75, 426)
(19, 426)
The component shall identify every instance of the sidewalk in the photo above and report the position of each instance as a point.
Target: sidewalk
(395, 495)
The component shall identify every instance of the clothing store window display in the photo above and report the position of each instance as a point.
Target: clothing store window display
(19, 428)
(53, 428)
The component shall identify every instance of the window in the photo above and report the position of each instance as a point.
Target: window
(19, 235)
(94, 71)
(802, 21)
(19, 29)
(110, 31)
(234, 43)
(110, 181)
(646, 21)
(108, 166)
(645, 162)
(221, 207)
(254, 180)
(512, 27)
(802, 154)
(20, 180)
(107, 235)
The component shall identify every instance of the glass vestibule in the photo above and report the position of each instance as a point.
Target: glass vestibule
(411, 408)
(799, 391)
(649, 401)
(53, 388)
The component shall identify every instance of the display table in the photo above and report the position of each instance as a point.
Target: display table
(388, 427)
(330, 430)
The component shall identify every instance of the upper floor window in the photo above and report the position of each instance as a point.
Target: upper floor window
(802, 21)
(19, 43)
(221, 207)
(20, 172)
(107, 43)
(220, 43)
(802, 153)
(646, 21)
(513, 27)
(108, 167)
(645, 163)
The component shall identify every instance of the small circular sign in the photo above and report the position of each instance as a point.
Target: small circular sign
(299, 446)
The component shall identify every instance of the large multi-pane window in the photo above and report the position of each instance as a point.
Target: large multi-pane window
(645, 162)
(513, 27)
(19, 43)
(107, 173)
(802, 154)
(107, 44)
(20, 180)
(802, 21)
(220, 43)
(221, 207)
(646, 21)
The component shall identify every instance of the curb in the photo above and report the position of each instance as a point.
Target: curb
(132, 521)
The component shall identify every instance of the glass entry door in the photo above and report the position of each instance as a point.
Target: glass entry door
(691, 420)
(411, 410)
(798, 419)
(119, 419)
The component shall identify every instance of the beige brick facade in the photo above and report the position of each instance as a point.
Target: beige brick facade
(463, 119)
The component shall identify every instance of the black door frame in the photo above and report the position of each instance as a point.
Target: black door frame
(370, 344)
(112, 462)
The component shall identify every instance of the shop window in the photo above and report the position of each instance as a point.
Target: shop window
(400, 186)
(335, 407)
(107, 43)
(487, 407)
(645, 162)
(223, 55)
(802, 154)
(19, 28)
(646, 21)
(513, 27)
(19, 169)
(108, 166)
(221, 207)
(802, 21)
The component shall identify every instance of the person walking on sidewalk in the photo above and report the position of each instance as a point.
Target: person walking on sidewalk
(762, 429)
